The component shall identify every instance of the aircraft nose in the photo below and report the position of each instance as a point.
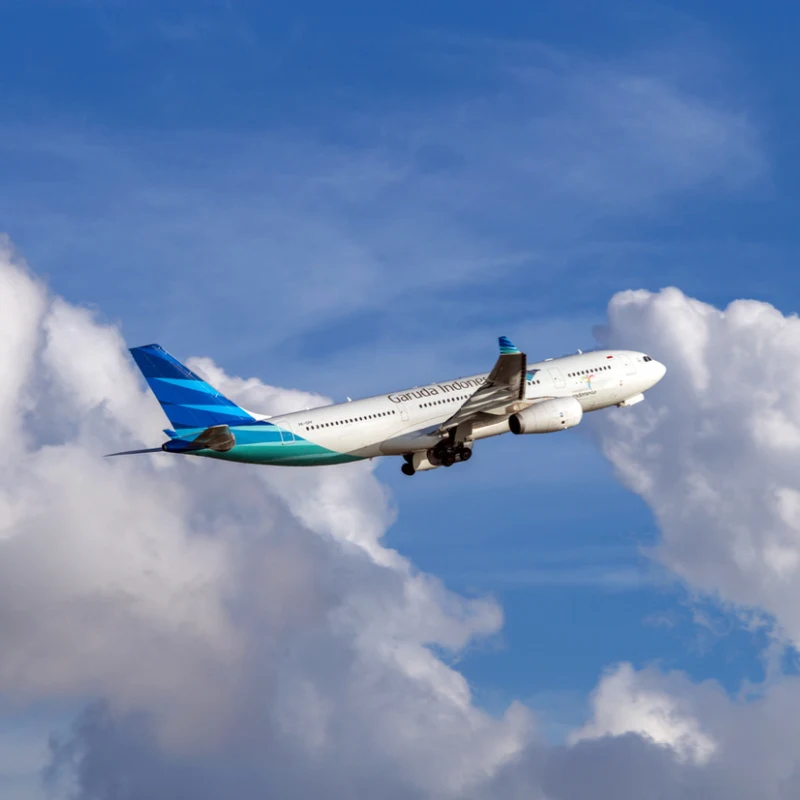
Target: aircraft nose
(659, 369)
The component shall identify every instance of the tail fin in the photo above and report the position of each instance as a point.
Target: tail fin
(187, 400)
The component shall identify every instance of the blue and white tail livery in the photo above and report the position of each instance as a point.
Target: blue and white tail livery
(428, 426)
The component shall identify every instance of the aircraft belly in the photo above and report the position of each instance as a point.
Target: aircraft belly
(295, 454)
(408, 443)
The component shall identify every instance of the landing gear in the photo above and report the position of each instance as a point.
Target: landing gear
(445, 454)
(448, 453)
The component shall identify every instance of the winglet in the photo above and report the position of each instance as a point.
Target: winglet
(507, 347)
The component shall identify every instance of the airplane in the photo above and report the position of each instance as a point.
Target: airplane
(429, 426)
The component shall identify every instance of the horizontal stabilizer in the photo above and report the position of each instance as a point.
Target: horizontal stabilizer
(134, 452)
(218, 438)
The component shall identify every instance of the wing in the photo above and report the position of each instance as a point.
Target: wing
(504, 386)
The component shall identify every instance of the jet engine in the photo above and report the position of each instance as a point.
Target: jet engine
(548, 416)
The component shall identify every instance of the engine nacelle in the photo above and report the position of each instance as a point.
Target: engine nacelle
(548, 416)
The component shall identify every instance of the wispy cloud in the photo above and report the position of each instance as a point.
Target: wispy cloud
(609, 577)
(394, 222)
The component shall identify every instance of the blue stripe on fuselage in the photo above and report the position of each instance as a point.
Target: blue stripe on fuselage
(266, 443)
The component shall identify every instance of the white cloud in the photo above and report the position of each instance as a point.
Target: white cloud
(715, 452)
(716, 449)
(210, 605)
(247, 628)
(624, 703)
(655, 734)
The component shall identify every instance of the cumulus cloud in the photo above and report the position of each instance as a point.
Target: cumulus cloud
(715, 452)
(623, 703)
(236, 624)
(245, 630)
(716, 449)
(658, 735)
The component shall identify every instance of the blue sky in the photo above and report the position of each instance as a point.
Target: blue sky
(351, 198)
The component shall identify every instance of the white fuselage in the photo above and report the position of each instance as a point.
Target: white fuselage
(386, 424)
